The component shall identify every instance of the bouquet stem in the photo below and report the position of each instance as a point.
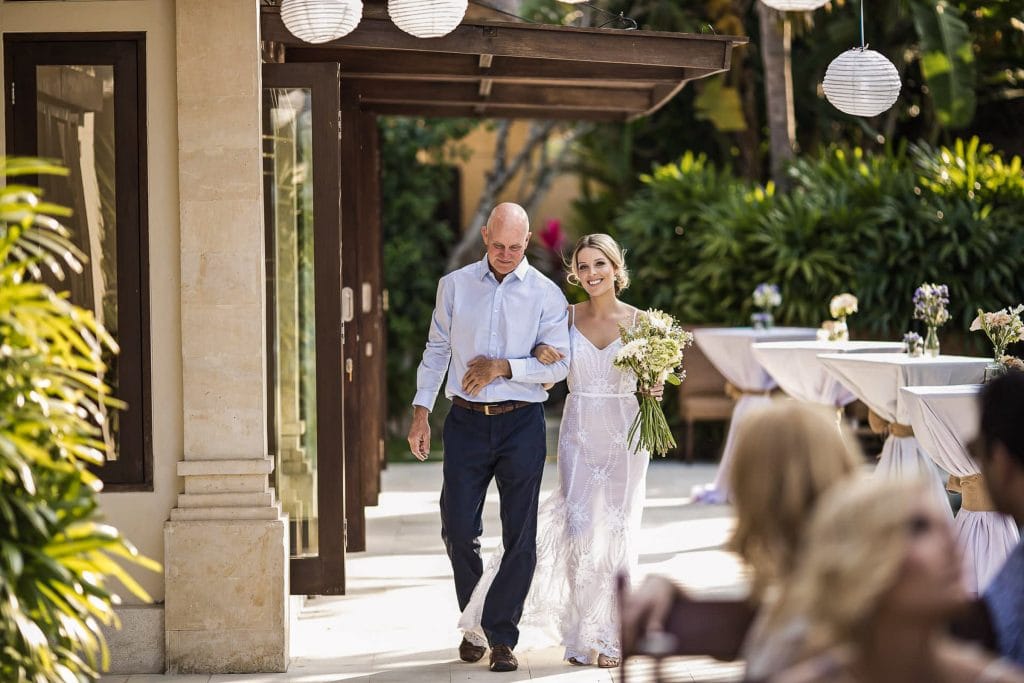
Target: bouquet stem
(650, 431)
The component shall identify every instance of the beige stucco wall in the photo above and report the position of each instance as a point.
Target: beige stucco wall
(556, 204)
(141, 516)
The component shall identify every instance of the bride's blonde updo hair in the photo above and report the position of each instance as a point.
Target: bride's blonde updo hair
(612, 251)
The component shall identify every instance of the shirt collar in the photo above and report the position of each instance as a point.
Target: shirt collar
(520, 272)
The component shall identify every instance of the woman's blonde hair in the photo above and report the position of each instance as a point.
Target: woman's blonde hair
(787, 454)
(615, 254)
(857, 541)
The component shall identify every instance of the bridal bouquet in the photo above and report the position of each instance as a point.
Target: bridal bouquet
(652, 349)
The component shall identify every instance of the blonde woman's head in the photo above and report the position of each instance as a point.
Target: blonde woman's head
(786, 455)
(597, 262)
(875, 548)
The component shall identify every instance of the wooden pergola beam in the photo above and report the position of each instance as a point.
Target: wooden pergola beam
(437, 109)
(439, 66)
(651, 48)
(537, 97)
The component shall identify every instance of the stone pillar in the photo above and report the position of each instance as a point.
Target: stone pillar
(226, 544)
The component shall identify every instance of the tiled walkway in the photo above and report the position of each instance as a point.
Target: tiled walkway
(397, 623)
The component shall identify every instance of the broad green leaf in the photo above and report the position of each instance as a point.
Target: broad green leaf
(947, 60)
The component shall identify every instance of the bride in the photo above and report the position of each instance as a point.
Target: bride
(587, 527)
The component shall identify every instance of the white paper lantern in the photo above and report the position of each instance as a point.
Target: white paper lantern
(427, 18)
(320, 21)
(861, 82)
(794, 5)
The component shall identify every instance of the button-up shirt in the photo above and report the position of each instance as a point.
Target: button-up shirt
(476, 315)
(1005, 600)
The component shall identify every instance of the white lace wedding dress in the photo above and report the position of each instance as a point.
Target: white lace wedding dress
(588, 525)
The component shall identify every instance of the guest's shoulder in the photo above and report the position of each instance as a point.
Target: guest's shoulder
(965, 662)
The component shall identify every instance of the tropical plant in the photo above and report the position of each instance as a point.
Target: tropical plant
(876, 225)
(55, 554)
(419, 226)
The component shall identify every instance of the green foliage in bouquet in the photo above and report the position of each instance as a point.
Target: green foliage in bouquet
(55, 555)
(875, 225)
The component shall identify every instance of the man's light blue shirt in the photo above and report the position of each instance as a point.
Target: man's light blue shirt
(476, 315)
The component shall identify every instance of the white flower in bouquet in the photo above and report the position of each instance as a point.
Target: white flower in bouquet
(652, 349)
(842, 305)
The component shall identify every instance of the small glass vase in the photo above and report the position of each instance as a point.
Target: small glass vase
(762, 320)
(842, 331)
(931, 341)
(995, 368)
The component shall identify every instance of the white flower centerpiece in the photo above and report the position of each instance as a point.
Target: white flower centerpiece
(766, 296)
(1002, 327)
(839, 307)
(652, 349)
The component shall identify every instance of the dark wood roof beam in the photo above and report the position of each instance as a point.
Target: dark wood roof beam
(538, 41)
(421, 109)
(507, 94)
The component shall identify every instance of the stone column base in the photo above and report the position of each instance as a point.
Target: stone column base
(227, 595)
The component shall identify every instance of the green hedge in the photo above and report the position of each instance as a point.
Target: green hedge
(700, 239)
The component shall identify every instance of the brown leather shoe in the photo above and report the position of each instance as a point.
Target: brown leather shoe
(502, 658)
(468, 652)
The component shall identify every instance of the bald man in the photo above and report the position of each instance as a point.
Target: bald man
(488, 318)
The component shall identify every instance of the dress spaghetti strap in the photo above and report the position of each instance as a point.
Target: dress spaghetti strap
(572, 314)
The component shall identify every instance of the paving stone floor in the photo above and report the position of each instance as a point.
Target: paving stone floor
(397, 623)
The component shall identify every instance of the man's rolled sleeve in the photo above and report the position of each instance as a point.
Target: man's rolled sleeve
(438, 352)
(553, 331)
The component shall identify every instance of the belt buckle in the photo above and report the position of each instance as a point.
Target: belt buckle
(487, 410)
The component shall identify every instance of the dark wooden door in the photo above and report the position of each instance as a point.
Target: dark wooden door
(305, 319)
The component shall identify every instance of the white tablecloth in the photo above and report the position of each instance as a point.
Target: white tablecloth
(876, 379)
(945, 419)
(728, 349)
(795, 366)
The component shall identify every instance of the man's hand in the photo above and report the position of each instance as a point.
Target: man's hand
(647, 610)
(547, 354)
(481, 371)
(419, 433)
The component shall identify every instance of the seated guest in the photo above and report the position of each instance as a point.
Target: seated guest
(787, 454)
(876, 583)
(999, 452)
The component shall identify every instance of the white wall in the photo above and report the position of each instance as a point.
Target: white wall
(141, 516)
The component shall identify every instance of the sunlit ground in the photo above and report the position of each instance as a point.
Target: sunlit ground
(397, 622)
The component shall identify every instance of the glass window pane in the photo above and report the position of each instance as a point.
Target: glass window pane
(289, 144)
(75, 125)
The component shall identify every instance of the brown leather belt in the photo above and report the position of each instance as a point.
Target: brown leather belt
(490, 409)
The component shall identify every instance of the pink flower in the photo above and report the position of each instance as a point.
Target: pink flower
(552, 235)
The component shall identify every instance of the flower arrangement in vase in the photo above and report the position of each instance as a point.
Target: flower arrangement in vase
(1002, 327)
(839, 307)
(913, 344)
(931, 303)
(766, 296)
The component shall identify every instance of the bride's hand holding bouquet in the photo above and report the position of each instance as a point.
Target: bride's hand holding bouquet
(652, 349)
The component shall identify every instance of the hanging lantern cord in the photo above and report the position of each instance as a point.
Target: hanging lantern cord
(863, 45)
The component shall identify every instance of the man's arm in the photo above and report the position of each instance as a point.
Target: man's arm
(553, 331)
(438, 352)
(430, 374)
